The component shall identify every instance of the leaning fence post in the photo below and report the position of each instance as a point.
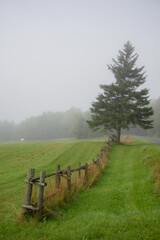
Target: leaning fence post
(28, 192)
(58, 178)
(69, 178)
(86, 172)
(79, 171)
(41, 189)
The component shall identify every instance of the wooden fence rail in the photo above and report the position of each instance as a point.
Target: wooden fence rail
(40, 180)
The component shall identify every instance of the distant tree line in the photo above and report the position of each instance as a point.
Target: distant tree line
(70, 124)
(50, 125)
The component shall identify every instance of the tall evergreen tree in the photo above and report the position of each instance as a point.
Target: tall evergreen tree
(123, 104)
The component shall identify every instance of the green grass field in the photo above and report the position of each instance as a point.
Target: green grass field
(123, 204)
(16, 158)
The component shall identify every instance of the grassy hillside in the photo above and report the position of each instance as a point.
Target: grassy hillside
(124, 203)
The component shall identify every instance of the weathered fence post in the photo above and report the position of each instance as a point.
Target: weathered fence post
(69, 178)
(97, 161)
(41, 189)
(105, 147)
(86, 172)
(101, 154)
(28, 192)
(57, 178)
(79, 171)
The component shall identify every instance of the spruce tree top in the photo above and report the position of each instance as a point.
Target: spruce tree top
(124, 68)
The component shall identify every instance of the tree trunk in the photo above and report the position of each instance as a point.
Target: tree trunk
(118, 135)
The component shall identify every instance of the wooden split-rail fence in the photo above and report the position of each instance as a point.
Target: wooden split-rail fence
(40, 180)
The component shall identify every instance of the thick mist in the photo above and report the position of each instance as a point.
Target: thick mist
(54, 54)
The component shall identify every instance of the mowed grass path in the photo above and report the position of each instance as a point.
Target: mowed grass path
(122, 205)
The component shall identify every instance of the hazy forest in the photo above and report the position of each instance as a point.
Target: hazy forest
(49, 125)
(69, 124)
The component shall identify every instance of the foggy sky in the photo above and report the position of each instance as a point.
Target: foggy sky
(54, 54)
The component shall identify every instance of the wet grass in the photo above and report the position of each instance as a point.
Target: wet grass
(16, 158)
(123, 204)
